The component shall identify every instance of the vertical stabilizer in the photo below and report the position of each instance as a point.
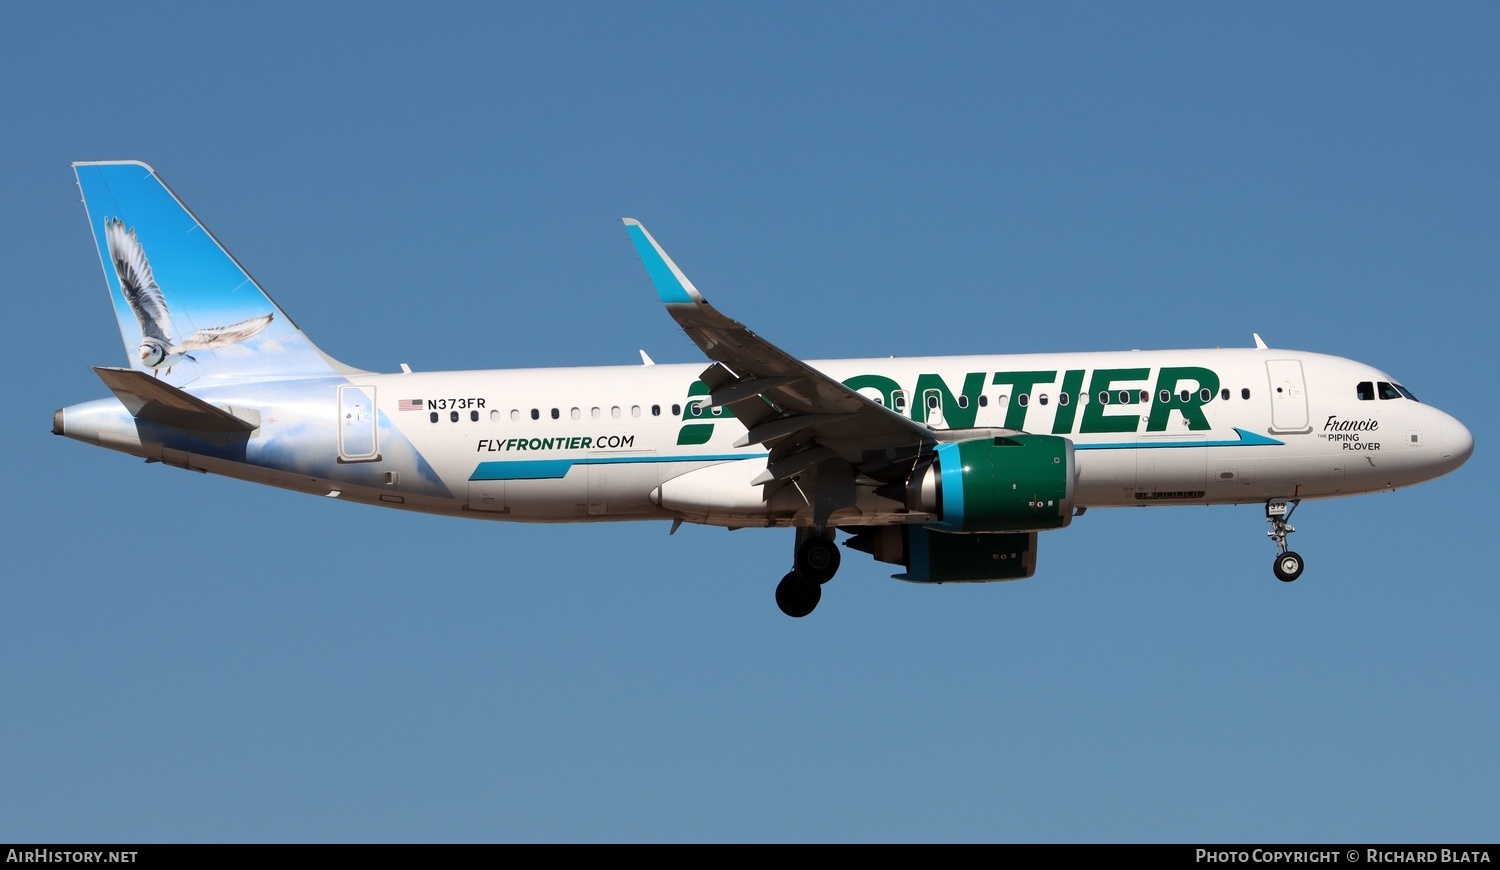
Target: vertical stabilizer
(187, 310)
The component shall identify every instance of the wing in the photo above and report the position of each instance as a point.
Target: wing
(810, 422)
(136, 281)
(219, 336)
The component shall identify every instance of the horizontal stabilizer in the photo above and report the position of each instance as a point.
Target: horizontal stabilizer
(147, 398)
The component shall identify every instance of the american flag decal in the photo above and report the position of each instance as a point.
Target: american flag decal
(410, 405)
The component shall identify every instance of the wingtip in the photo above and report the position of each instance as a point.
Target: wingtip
(672, 287)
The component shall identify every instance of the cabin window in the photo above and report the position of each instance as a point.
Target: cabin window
(676, 409)
(1184, 395)
(556, 414)
(1245, 393)
(1022, 399)
(1042, 398)
(963, 401)
(899, 397)
(1062, 398)
(984, 401)
(1224, 394)
(635, 410)
(1145, 396)
(535, 414)
(494, 415)
(594, 412)
(1387, 391)
(1104, 397)
(1165, 396)
(1124, 397)
(695, 408)
(1205, 395)
(515, 415)
(656, 410)
(433, 417)
(473, 416)
(614, 411)
(576, 414)
(453, 416)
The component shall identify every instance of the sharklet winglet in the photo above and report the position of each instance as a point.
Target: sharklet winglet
(671, 284)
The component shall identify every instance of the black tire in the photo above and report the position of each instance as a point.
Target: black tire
(817, 559)
(797, 597)
(1288, 566)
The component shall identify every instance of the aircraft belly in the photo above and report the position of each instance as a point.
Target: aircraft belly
(1105, 477)
(722, 494)
(716, 492)
(620, 484)
(604, 486)
(1171, 474)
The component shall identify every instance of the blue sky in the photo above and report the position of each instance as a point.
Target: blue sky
(186, 658)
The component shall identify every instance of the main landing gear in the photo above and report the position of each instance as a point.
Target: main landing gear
(1288, 565)
(815, 562)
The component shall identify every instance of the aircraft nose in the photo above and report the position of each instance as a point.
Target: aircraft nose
(1458, 444)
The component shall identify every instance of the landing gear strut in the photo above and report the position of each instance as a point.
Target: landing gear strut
(816, 561)
(1288, 565)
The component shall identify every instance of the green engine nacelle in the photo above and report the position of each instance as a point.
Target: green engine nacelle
(1010, 483)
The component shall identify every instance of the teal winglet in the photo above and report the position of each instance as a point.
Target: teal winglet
(671, 285)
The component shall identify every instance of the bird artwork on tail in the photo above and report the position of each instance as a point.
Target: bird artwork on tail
(158, 349)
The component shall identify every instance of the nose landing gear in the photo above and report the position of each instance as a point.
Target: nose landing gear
(1288, 565)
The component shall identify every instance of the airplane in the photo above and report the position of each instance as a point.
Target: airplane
(947, 466)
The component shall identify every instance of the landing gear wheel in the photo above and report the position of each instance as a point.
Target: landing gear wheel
(797, 597)
(1288, 567)
(817, 559)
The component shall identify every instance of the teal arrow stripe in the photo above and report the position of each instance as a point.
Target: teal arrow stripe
(1246, 439)
(552, 469)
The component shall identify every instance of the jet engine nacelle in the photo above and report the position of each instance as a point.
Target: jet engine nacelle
(931, 556)
(1009, 483)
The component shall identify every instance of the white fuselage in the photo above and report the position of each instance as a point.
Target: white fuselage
(1221, 426)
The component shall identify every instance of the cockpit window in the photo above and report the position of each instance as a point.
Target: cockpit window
(1405, 392)
(1366, 391)
(1387, 391)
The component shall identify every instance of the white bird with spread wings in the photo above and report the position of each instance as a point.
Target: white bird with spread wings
(158, 350)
